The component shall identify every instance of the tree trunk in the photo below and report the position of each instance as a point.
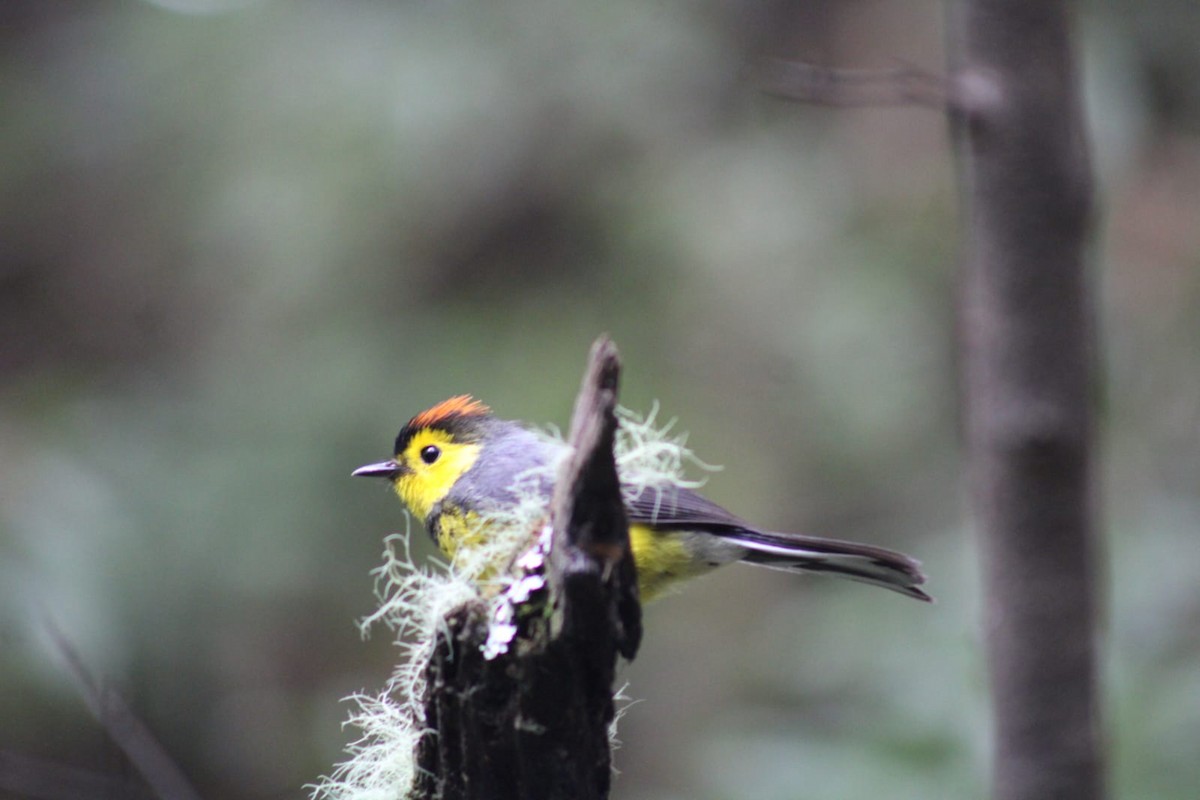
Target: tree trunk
(1026, 324)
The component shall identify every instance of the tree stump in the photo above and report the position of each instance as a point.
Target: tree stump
(532, 720)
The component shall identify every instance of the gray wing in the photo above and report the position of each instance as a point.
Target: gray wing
(677, 507)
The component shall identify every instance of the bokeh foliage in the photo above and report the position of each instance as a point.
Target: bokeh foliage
(244, 241)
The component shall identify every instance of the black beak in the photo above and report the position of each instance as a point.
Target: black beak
(384, 469)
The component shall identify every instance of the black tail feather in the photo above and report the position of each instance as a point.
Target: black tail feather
(866, 563)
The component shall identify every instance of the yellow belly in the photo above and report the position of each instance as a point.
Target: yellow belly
(663, 558)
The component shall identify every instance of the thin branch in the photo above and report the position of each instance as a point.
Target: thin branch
(968, 93)
(124, 727)
(903, 85)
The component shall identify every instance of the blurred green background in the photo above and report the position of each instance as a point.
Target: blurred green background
(242, 241)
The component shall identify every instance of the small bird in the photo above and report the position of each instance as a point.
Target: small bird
(457, 461)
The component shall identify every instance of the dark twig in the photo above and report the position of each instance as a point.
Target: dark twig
(124, 727)
(590, 527)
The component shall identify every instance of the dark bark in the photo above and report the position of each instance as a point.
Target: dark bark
(1026, 378)
(533, 721)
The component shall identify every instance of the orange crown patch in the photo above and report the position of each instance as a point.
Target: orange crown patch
(462, 405)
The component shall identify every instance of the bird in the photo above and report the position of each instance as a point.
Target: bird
(454, 464)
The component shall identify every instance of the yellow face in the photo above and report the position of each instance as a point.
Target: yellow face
(429, 465)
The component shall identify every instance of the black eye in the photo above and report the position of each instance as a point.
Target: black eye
(430, 454)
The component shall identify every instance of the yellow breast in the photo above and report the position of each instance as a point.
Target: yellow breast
(460, 533)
